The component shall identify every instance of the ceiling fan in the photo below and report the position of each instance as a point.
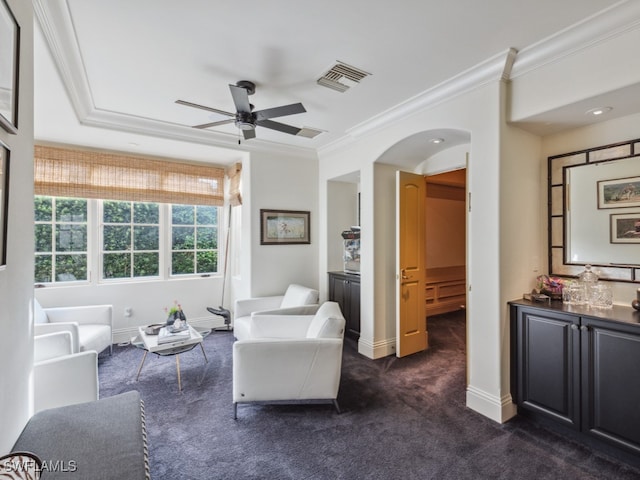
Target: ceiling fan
(245, 118)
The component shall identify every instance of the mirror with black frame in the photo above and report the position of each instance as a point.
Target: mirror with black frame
(594, 212)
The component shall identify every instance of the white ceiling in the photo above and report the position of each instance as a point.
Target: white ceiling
(108, 73)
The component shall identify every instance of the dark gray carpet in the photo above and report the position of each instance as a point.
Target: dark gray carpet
(402, 418)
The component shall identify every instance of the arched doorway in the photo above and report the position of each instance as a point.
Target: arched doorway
(439, 159)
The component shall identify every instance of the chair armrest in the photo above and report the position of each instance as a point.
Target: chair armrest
(297, 310)
(45, 328)
(279, 326)
(85, 314)
(245, 307)
(52, 345)
(286, 369)
(66, 380)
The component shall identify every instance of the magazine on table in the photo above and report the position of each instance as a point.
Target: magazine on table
(167, 336)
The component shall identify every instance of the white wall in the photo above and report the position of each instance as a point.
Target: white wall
(16, 279)
(521, 233)
(453, 158)
(278, 181)
(579, 72)
(478, 112)
(147, 300)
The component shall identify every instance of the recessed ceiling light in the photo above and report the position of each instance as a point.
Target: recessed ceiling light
(598, 111)
(437, 140)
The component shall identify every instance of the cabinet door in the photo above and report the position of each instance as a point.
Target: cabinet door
(611, 383)
(548, 364)
(353, 320)
(338, 292)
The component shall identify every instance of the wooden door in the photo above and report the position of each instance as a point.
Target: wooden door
(411, 321)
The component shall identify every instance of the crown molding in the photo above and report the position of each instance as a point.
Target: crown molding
(492, 69)
(56, 24)
(173, 131)
(59, 32)
(616, 20)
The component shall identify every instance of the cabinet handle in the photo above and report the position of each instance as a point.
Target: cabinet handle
(574, 326)
(584, 328)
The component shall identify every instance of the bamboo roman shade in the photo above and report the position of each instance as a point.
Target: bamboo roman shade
(235, 174)
(65, 172)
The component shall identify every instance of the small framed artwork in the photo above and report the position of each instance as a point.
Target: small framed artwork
(625, 227)
(284, 227)
(9, 61)
(619, 193)
(4, 201)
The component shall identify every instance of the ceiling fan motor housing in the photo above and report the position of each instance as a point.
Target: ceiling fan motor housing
(250, 87)
(245, 120)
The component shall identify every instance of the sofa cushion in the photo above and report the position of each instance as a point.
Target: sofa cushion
(298, 295)
(327, 323)
(101, 439)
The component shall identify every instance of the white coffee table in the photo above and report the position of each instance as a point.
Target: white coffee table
(149, 343)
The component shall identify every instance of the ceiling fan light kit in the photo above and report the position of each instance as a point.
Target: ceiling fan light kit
(245, 119)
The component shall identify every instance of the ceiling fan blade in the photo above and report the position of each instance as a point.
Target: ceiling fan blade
(215, 124)
(280, 111)
(202, 107)
(281, 127)
(248, 134)
(240, 98)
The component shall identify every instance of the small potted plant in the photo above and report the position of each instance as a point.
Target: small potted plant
(175, 313)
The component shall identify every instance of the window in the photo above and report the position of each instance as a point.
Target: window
(130, 239)
(60, 239)
(133, 240)
(194, 239)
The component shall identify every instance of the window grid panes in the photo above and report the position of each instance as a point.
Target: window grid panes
(194, 239)
(134, 240)
(130, 239)
(60, 239)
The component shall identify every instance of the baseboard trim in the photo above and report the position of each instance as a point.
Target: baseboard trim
(376, 350)
(124, 335)
(498, 409)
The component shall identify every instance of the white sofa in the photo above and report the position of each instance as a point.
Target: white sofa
(297, 300)
(61, 377)
(91, 326)
(290, 358)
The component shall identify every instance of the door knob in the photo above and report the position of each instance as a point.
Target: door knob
(403, 275)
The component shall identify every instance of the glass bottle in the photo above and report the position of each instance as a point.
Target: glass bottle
(589, 279)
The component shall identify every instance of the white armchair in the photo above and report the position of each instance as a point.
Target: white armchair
(91, 326)
(290, 358)
(61, 377)
(297, 300)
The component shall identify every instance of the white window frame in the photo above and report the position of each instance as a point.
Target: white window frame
(54, 252)
(95, 252)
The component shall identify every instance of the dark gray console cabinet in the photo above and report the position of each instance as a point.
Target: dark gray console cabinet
(344, 288)
(579, 367)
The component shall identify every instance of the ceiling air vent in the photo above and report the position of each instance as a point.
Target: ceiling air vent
(309, 132)
(341, 77)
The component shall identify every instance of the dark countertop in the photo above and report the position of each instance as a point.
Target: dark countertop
(619, 313)
(346, 274)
